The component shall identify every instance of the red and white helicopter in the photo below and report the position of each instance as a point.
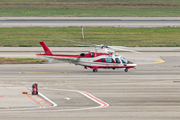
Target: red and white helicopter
(97, 58)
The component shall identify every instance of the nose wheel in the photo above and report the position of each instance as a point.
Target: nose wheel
(95, 70)
(126, 70)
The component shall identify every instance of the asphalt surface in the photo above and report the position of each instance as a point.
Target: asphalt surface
(89, 21)
(151, 91)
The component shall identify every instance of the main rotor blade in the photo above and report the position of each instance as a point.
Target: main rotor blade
(87, 44)
(95, 45)
(76, 41)
(118, 47)
(122, 48)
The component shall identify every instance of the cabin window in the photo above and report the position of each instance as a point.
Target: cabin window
(109, 60)
(117, 60)
(102, 59)
(82, 54)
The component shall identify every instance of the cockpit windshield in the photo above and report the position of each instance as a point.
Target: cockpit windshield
(123, 60)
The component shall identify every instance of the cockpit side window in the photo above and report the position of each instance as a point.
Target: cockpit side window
(123, 60)
(117, 60)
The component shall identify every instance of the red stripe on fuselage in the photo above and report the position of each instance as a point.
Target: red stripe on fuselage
(74, 56)
(59, 55)
(105, 65)
(109, 67)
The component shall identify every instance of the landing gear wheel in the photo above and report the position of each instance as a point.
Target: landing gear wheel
(95, 70)
(126, 70)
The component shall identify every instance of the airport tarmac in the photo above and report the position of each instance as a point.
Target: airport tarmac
(151, 91)
(89, 21)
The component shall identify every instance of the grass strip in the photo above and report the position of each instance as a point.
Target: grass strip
(22, 61)
(104, 11)
(85, 8)
(130, 37)
(91, 1)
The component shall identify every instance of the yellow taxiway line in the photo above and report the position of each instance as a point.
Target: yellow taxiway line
(156, 62)
(45, 72)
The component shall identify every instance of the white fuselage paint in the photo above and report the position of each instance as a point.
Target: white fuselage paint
(89, 61)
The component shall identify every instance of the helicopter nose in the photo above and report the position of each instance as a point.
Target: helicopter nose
(129, 62)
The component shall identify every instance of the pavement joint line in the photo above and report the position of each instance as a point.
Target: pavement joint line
(113, 71)
(176, 81)
(158, 71)
(167, 71)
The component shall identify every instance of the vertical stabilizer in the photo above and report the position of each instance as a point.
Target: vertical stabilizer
(45, 47)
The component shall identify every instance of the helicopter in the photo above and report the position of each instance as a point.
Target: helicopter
(99, 57)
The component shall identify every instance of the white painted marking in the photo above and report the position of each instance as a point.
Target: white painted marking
(88, 95)
(53, 104)
(67, 98)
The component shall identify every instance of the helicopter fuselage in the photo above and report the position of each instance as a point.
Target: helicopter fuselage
(95, 59)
